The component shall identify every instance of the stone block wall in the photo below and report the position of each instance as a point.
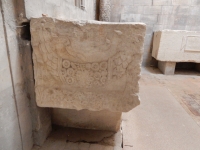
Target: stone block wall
(60, 9)
(158, 15)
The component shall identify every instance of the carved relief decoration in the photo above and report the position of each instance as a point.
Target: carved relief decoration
(86, 65)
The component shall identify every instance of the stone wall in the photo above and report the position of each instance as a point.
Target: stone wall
(158, 15)
(60, 9)
(15, 117)
(9, 125)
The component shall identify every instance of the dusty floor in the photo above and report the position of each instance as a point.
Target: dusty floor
(167, 119)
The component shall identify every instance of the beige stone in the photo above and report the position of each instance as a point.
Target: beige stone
(176, 46)
(167, 68)
(87, 64)
(96, 120)
(105, 10)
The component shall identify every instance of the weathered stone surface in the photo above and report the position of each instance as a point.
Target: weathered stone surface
(96, 120)
(87, 64)
(176, 46)
(65, 9)
(105, 10)
(181, 2)
(167, 68)
(15, 118)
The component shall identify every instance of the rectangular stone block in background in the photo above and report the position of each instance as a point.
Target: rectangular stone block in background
(162, 2)
(152, 10)
(181, 2)
(196, 2)
(136, 2)
(193, 43)
(176, 46)
(96, 120)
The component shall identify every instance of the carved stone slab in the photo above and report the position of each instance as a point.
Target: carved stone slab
(193, 43)
(87, 64)
(176, 46)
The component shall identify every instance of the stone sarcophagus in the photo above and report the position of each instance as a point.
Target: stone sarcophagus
(176, 46)
(171, 46)
(87, 64)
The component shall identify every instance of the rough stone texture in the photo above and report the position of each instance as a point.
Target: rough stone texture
(176, 46)
(95, 71)
(158, 15)
(181, 2)
(61, 9)
(9, 127)
(15, 117)
(105, 10)
(82, 139)
(167, 68)
(97, 120)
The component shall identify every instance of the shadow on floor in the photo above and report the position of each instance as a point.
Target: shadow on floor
(62, 138)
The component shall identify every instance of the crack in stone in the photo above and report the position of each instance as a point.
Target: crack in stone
(101, 141)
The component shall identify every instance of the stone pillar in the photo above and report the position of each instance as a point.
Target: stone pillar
(167, 68)
(105, 10)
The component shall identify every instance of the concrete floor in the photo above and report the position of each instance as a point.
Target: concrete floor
(62, 138)
(167, 119)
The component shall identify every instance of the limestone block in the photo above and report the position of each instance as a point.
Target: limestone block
(105, 10)
(195, 10)
(41, 117)
(181, 2)
(149, 19)
(65, 9)
(87, 64)
(152, 10)
(167, 68)
(167, 10)
(195, 2)
(176, 46)
(96, 120)
(161, 2)
(181, 10)
(180, 20)
(130, 17)
(141, 2)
